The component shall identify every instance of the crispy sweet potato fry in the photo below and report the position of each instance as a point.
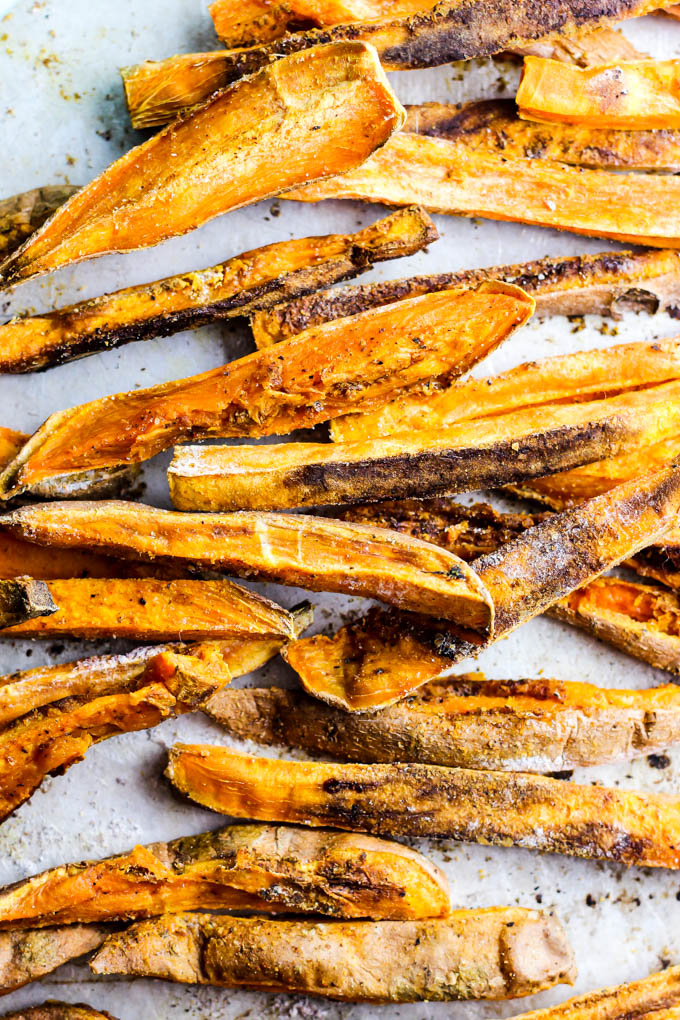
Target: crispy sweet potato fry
(585, 48)
(59, 1011)
(29, 955)
(379, 660)
(317, 553)
(23, 600)
(629, 96)
(438, 459)
(565, 379)
(473, 954)
(318, 375)
(248, 867)
(466, 722)
(654, 998)
(157, 91)
(606, 284)
(500, 808)
(24, 213)
(225, 154)
(144, 609)
(256, 279)
(448, 177)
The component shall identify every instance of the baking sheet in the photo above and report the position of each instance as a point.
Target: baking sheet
(62, 119)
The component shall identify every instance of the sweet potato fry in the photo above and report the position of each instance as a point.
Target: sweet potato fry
(449, 30)
(317, 553)
(448, 177)
(315, 377)
(248, 867)
(29, 955)
(629, 96)
(478, 454)
(24, 213)
(59, 1011)
(606, 284)
(465, 722)
(498, 808)
(256, 279)
(144, 609)
(473, 954)
(566, 379)
(584, 48)
(493, 125)
(379, 660)
(23, 600)
(654, 998)
(222, 156)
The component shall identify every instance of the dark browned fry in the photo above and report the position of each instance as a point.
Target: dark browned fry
(24, 213)
(29, 955)
(24, 599)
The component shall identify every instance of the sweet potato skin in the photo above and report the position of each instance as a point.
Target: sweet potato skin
(447, 177)
(606, 284)
(24, 600)
(29, 955)
(628, 96)
(500, 808)
(317, 553)
(459, 958)
(149, 610)
(466, 722)
(252, 867)
(59, 1011)
(354, 362)
(238, 287)
(160, 189)
(22, 214)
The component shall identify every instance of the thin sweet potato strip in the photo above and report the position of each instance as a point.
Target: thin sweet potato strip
(629, 96)
(450, 30)
(223, 155)
(257, 279)
(656, 997)
(465, 722)
(316, 553)
(316, 376)
(59, 1011)
(272, 869)
(585, 48)
(497, 953)
(498, 808)
(470, 455)
(605, 284)
(29, 955)
(448, 177)
(22, 214)
(24, 600)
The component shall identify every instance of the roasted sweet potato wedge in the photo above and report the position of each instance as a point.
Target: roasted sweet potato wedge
(486, 452)
(23, 600)
(498, 808)
(654, 998)
(473, 954)
(325, 372)
(59, 1011)
(256, 279)
(448, 177)
(272, 869)
(606, 284)
(377, 661)
(29, 955)
(493, 125)
(22, 214)
(316, 553)
(157, 91)
(566, 379)
(629, 96)
(225, 154)
(465, 722)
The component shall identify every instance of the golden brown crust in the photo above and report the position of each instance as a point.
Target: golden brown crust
(170, 185)
(59, 1011)
(24, 599)
(26, 956)
(486, 954)
(257, 279)
(271, 869)
(500, 808)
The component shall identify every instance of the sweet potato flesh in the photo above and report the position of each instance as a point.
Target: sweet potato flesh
(500, 808)
(270, 869)
(625, 96)
(447, 177)
(259, 138)
(316, 376)
(147, 609)
(250, 281)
